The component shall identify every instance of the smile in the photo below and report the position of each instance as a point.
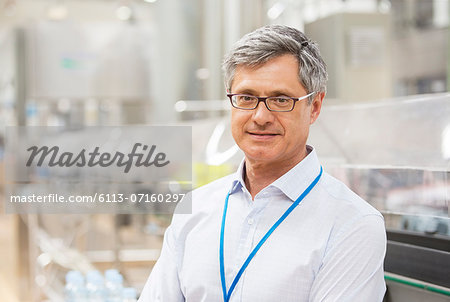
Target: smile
(262, 136)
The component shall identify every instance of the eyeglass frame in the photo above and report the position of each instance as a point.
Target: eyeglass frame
(264, 100)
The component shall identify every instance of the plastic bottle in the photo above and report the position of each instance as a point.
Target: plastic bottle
(110, 272)
(114, 285)
(74, 290)
(129, 294)
(95, 287)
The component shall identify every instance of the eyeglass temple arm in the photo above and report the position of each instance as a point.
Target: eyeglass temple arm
(304, 97)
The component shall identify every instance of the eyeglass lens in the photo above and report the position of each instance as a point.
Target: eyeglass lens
(274, 103)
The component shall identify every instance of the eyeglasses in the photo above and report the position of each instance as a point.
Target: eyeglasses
(277, 103)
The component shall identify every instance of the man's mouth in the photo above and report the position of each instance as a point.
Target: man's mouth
(262, 134)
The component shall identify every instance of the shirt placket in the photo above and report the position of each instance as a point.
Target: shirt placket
(247, 240)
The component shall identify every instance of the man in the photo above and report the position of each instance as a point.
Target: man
(280, 229)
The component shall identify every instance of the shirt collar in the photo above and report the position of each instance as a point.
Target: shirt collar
(293, 182)
(296, 180)
(238, 180)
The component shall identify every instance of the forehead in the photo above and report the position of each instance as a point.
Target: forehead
(278, 74)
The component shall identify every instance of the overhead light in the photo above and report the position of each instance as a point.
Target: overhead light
(180, 106)
(124, 13)
(150, 1)
(384, 6)
(44, 259)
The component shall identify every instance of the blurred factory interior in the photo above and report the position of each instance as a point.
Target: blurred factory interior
(384, 131)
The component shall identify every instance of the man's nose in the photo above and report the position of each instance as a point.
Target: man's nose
(262, 115)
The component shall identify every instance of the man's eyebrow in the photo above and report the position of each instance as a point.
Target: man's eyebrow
(281, 93)
(245, 91)
(272, 93)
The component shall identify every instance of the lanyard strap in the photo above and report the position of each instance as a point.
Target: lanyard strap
(226, 296)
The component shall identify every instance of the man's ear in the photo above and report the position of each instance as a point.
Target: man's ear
(316, 106)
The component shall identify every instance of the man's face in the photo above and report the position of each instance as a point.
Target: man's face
(268, 137)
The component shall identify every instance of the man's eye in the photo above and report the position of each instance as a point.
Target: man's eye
(281, 101)
(246, 98)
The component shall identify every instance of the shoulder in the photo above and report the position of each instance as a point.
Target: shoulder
(342, 197)
(351, 218)
(345, 212)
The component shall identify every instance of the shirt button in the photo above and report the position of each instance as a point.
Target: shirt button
(250, 221)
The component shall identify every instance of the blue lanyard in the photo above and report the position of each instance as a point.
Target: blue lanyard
(226, 296)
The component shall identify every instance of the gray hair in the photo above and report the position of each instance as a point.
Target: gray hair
(272, 41)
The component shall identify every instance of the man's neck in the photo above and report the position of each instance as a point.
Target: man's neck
(258, 175)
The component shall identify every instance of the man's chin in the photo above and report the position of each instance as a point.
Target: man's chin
(261, 155)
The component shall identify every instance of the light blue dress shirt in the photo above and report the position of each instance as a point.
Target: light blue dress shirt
(330, 248)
